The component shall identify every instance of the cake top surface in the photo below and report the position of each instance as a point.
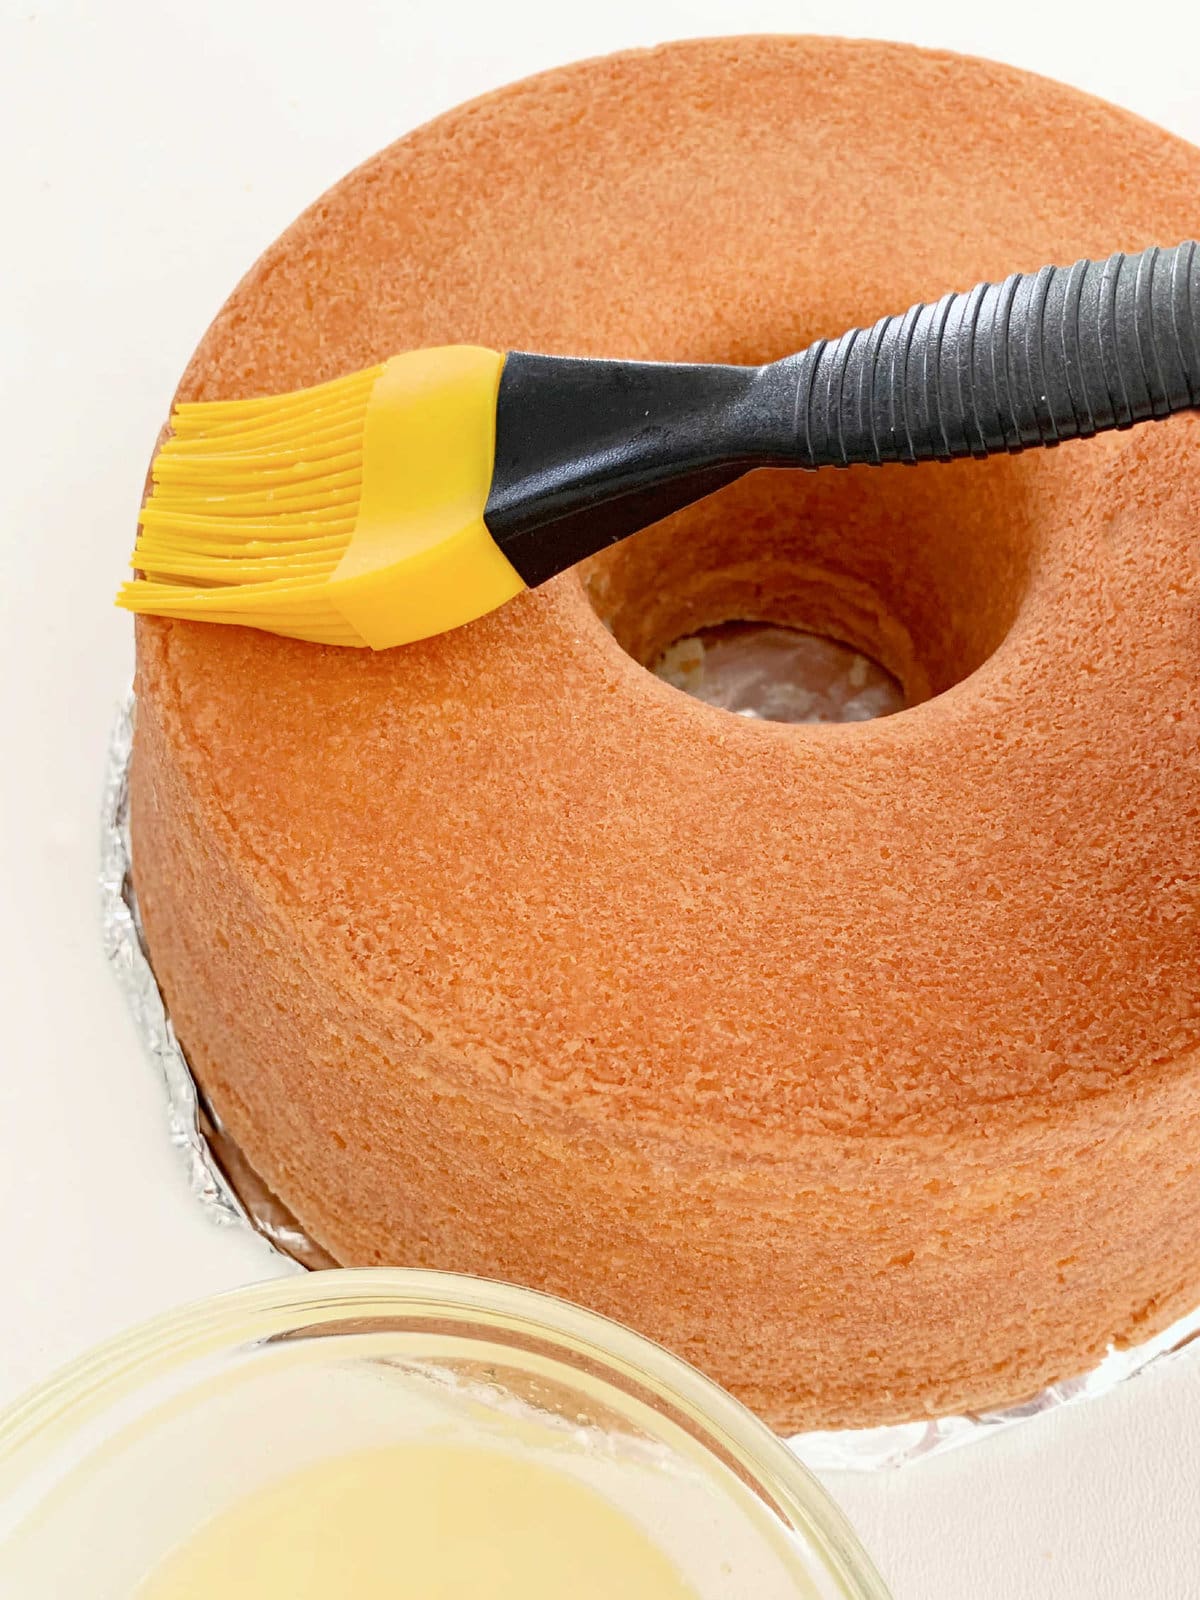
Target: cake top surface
(517, 842)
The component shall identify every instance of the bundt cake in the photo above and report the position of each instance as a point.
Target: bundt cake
(860, 1063)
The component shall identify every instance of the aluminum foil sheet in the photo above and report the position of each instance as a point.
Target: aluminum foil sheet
(780, 674)
(233, 1195)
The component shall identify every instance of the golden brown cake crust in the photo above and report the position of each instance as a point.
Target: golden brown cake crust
(860, 1064)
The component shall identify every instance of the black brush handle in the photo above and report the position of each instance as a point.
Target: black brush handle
(1044, 356)
(588, 452)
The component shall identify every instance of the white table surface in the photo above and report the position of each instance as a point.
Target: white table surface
(148, 152)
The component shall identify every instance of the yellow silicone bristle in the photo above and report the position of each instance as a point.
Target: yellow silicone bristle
(350, 514)
(253, 504)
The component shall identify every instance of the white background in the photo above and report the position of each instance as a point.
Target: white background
(148, 151)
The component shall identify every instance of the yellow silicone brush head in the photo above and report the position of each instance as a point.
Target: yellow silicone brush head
(346, 514)
(252, 508)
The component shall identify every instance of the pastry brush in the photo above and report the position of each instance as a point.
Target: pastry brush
(407, 499)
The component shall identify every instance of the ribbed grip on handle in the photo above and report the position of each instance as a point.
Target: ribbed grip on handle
(1057, 354)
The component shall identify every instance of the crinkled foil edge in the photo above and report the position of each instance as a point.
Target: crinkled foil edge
(125, 948)
(233, 1194)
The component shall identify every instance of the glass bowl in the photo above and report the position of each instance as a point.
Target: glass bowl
(107, 1467)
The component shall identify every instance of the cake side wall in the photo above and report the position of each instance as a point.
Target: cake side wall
(850, 1283)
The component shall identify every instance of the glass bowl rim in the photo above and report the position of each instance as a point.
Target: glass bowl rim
(57, 1409)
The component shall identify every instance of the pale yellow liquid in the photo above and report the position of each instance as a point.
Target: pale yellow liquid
(420, 1522)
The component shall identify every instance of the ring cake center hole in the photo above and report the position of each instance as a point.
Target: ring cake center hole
(825, 597)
